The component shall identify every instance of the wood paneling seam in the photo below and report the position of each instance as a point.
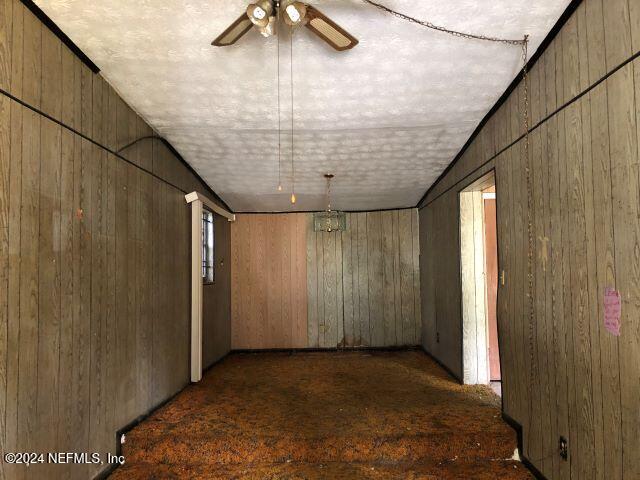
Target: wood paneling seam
(98, 144)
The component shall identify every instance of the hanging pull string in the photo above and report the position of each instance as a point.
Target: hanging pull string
(279, 121)
(455, 33)
(293, 175)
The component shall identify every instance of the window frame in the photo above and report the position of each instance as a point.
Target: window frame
(208, 247)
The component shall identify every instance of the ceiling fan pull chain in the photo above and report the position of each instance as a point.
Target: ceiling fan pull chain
(455, 33)
(530, 246)
(293, 172)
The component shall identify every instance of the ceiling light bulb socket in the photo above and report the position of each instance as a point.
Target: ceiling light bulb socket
(295, 12)
(260, 12)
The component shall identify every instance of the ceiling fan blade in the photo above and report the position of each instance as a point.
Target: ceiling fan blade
(236, 30)
(328, 30)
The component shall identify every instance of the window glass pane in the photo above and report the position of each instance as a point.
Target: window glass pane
(208, 263)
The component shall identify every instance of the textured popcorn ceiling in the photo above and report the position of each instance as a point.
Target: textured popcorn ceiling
(386, 117)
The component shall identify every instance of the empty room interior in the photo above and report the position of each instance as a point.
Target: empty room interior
(320, 239)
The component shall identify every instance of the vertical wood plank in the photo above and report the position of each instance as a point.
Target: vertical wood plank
(625, 191)
(388, 280)
(312, 278)
(347, 282)
(5, 171)
(29, 293)
(375, 271)
(32, 60)
(6, 44)
(94, 163)
(395, 227)
(339, 292)
(17, 54)
(617, 32)
(605, 272)
(363, 281)
(48, 351)
(417, 303)
(125, 357)
(320, 260)
(86, 101)
(288, 279)
(406, 277)
(330, 290)
(51, 74)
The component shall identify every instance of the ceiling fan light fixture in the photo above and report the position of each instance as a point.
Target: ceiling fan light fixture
(295, 12)
(260, 13)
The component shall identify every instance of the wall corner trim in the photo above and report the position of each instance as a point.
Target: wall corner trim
(193, 196)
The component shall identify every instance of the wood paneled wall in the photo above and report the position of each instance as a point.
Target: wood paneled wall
(268, 281)
(94, 256)
(363, 283)
(564, 374)
(296, 288)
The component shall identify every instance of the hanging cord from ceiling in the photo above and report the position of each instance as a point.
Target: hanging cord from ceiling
(293, 172)
(279, 119)
(455, 33)
(137, 140)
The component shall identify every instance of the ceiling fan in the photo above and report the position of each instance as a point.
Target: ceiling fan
(265, 14)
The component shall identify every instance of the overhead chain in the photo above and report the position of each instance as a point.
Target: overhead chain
(523, 43)
(455, 33)
(531, 246)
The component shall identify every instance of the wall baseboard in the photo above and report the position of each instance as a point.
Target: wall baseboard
(326, 349)
(512, 423)
(448, 370)
(129, 426)
(518, 428)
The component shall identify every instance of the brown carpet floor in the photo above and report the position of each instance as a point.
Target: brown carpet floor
(324, 415)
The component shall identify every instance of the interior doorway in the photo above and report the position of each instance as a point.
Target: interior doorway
(479, 283)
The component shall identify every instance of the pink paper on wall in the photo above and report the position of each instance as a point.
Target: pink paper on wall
(612, 310)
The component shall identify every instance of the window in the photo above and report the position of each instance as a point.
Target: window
(208, 263)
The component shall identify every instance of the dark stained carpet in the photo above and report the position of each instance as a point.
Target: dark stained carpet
(378, 415)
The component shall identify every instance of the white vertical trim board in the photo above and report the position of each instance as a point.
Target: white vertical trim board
(474, 322)
(196, 291)
(197, 202)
